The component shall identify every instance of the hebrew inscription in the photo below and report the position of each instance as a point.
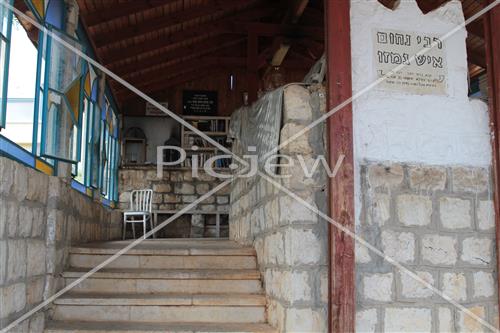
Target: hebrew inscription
(423, 74)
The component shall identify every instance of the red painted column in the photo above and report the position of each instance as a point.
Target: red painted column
(491, 23)
(341, 187)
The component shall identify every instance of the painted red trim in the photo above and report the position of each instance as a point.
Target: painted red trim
(341, 187)
(492, 42)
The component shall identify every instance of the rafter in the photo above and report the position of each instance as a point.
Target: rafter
(173, 19)
(124, 9)
(215, 27)
(203, 47)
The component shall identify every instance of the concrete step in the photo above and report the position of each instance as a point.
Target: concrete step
(122, 281)
(180, 247)
(161, 299)
(131, 327)
(166, 261)
(161, 313)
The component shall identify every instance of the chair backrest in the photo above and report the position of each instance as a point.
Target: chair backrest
(140, 200)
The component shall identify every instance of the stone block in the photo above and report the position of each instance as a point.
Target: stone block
(455, 213)
(381, 207)
(477, 251)
(276, 314)
(36, 257)
(378, 287)
(362, 254)
(37, 323)
(386, 176)
(12, 218)
(427, 179)
(305, 320)
(296, 105)
(366, 321)
(171, 198)
(39, 223)
(411, 288)
(439, 250)
(454, 285)
(3, 261)
(485, 215)
(13, 299)
(399, 246)
(467, 324)
(25, 221)
(302, 246)
(445, 320)
(222, 199)
(6, 175)
(274, 249)
(189, 198)
(34, 291)
(184, 188)
(37, 186)
(124, 197)
(162, 188)
(414, 210)
(296, 287)
(298, 145)
(176, 176)
(292, 211)
(202, 188)
(483, 284)
(474, 180)
(20, 188)
(17, 259)
(209, 200)
(300, 174)
(407, 320)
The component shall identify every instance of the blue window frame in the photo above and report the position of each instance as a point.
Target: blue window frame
(5, 31)
(62, 100)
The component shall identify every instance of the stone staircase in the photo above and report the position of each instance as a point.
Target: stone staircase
(195, 285)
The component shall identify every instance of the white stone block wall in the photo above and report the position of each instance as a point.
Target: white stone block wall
(40, 217)
(290, 241)
(438, 222)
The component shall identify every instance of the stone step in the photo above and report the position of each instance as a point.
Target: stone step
(141, 282)
(173, 247)
(131, 327)
(161, 313)
(162, 299)
(166, 261)
(168, 274)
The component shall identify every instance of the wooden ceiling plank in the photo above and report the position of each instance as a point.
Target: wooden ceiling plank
(128, 32)
(217, 27)
(123, 10)
(203, 47)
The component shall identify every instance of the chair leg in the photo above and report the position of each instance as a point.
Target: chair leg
(152, 226)
(133, 229)
(124, 229)
(144, 228)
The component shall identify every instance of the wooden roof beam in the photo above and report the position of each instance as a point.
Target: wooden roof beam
(123, 9)
(284, 30)
(173, 19)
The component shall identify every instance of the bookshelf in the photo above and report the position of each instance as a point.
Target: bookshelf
(216, 128)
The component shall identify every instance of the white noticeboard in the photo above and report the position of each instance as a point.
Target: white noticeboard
(424, 74)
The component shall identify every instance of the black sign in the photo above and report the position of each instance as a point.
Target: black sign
(199, 102)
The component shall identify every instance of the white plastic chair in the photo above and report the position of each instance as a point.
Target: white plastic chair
(140, 211)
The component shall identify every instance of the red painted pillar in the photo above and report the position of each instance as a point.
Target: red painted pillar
(341, 187)
(491, 23)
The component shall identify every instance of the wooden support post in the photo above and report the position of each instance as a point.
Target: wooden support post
(492, 40)
(341, 187)
(253, 66)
